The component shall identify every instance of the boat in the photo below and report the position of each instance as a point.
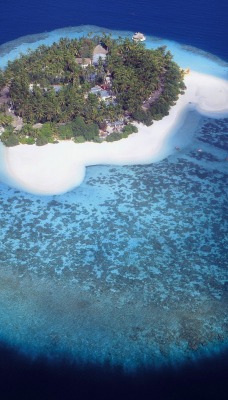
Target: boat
(138, 37)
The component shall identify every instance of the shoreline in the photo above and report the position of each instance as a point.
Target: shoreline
(58, 168)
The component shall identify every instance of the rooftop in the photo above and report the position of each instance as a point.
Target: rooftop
(83, 61)
(99, 50)
(99, 91)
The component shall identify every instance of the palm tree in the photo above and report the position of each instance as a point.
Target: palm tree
(5, 120)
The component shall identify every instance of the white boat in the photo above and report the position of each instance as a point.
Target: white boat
(138, 37)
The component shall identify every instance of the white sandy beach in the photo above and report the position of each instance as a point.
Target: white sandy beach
(57, 168)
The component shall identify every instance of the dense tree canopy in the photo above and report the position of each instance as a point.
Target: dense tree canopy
(140, 74)
(49, 86)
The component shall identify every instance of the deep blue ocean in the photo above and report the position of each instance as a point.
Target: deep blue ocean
(202, 24)
(119, 288)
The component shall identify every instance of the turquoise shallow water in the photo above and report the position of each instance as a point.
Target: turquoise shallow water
(130, 268)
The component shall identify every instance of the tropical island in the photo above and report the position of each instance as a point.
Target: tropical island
(89, 89)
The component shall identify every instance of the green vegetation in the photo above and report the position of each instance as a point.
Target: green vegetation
(146, 82)
(49, 86)
(126, 131)
(8, 137)
(5, 120)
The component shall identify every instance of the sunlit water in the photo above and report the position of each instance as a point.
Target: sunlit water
(131, 266)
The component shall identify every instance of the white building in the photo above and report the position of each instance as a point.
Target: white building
(99, 53)
(98, 91)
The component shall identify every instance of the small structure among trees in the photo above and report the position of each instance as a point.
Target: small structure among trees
(99, 53)
(83, 62)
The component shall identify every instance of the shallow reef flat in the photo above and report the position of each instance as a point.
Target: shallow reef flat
(128, 268)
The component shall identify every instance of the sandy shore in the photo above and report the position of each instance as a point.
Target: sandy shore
(57, 168)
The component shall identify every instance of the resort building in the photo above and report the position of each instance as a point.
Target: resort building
(99, 53)
(56, 88)
(98, 91)
(84, 62)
